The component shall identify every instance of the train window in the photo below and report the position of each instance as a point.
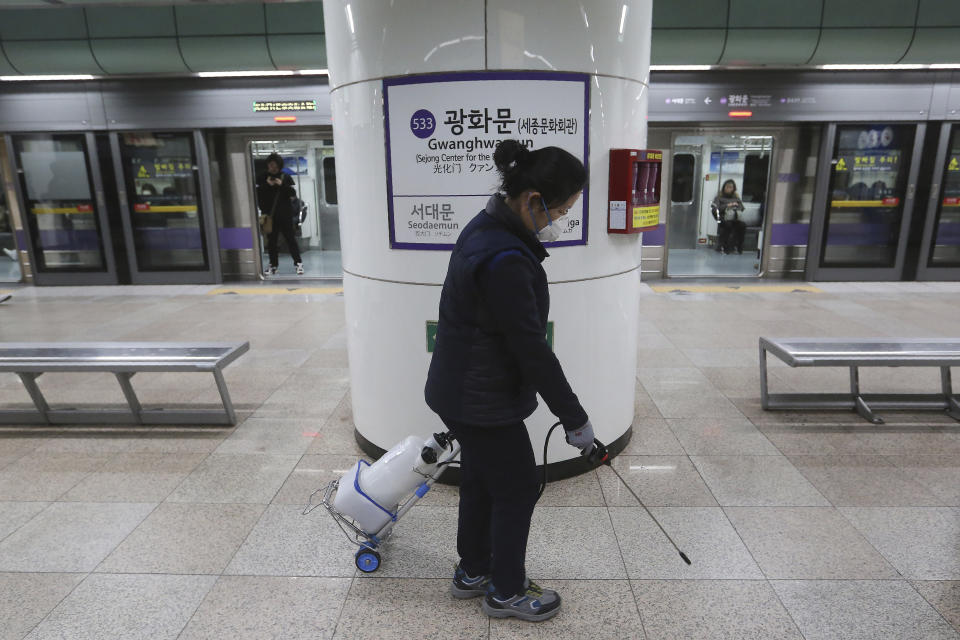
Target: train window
(330, 180)
(756, 168)
(681, 189)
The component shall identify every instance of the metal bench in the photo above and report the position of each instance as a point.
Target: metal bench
(863, 352)
(29, 360)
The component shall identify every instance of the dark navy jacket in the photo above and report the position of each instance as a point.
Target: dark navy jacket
(491, 357)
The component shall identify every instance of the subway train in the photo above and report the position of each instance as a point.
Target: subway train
(843, 176)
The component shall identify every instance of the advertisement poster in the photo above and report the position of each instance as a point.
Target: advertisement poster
(442, 130)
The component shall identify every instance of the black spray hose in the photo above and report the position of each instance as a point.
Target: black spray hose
(598, 456)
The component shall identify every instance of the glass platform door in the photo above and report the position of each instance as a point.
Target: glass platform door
(170, 231)
(940, 252)
(61, 192)
(865, 195)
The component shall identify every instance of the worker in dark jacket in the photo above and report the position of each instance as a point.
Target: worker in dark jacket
(275, 193)
(490, 361)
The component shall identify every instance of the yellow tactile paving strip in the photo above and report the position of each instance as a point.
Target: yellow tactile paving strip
(735, 288)
(274, 291)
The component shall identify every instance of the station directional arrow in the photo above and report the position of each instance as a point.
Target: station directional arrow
(707, 100)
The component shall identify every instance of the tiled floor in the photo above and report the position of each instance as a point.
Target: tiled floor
(799, 525)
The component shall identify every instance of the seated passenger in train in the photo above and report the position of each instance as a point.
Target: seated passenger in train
(726, 208)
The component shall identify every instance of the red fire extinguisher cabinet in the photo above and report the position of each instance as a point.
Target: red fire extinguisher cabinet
(634, 190)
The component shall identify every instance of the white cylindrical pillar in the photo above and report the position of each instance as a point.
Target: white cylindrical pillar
(391, 294)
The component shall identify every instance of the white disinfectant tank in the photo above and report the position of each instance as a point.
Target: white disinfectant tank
(386, 481)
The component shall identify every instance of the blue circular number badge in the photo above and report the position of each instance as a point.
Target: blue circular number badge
(422, 123)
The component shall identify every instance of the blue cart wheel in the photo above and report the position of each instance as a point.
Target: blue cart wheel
(368, 560)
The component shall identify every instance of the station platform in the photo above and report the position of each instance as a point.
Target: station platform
(813, 525)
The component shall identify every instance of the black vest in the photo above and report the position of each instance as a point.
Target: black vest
(473, 378)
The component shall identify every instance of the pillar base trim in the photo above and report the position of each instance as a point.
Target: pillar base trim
(555, 470)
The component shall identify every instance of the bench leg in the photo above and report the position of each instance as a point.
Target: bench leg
(29, 381)
(861, 405)
(130, 395)
(225, 396)
(764, 393)
(953, 407)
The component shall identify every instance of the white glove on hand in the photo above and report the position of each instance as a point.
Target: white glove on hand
(581, 438)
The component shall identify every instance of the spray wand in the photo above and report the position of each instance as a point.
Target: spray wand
(598, 456)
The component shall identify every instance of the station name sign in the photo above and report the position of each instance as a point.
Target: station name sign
(273, 106)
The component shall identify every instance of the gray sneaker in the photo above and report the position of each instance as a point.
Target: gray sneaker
(463, 586)
(534, 604)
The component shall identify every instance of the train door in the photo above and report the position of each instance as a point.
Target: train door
(311, 165)
(698, 243)
(62, 199)
(940, 249)
(866, 185)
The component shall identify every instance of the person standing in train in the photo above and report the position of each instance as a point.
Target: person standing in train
(726, 208)
(275, 195)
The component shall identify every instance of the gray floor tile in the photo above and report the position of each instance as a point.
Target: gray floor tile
(46, 476)
(944, 596)
(923, 543)
(938, 474)
(811, 439)
(909, 440)
(184, 538)
(135, 477)
(862, 481)
(756, 481)
(18, 445)
(266, 435)
(285, 542)
(652, 437)
(70, 536)
(230, 478)
(14, 515)
(586, 613)
(553, 555)
(808, 543)
(28, 597)
(855, 610)
(180, 440)
(92, 441)
(254, 607)
(712, 609)
(313, 472)
(126, 606)
(392, 608)
(721, 436)
(662, 481)
(703, 533)
(578, 491)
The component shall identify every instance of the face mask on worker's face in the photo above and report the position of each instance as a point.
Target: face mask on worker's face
(553, 230)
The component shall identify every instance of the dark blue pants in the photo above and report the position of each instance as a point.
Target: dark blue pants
(498, 491)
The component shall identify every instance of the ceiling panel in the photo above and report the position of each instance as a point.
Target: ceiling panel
(686, 46)
(139, 55)
(764, 13)
(869, 13)
(130, 22)
(770, 46)
(862, 46)
(226, 53)
(298, 51)
(51, 56)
